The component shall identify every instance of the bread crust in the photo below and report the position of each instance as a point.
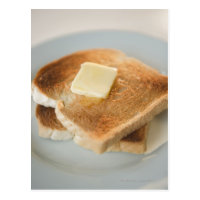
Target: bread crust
(99, 144)
(50, 127)
(138, 94)
(135, 142)
(47, 117)
(53, 80)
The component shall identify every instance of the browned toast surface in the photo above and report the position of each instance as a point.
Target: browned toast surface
(138, 137)
(138, 94)
(47, 117)
(53, 79)
(133, 143)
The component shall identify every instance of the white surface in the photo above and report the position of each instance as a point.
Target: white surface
(48, 24)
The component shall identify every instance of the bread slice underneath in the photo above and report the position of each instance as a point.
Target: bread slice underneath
(135, 142)
(50, 127)
(138, 94)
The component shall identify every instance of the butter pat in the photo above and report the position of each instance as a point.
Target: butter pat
(94, 80)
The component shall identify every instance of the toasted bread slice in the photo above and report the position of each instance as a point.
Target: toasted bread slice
(52, 82)
(136, 142)
(138, 94)
(50, 127)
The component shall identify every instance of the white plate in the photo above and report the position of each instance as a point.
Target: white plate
(64, 165)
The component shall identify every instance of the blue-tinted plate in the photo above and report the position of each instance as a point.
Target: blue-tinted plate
(64, 165)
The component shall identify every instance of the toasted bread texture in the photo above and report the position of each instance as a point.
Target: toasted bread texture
(138, 94)
(53, 81)
(135, 142)
(50, 127)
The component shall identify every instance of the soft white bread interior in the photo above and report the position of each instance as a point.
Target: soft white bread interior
(41, 98)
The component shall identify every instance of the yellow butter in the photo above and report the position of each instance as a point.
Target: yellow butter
(94, 80)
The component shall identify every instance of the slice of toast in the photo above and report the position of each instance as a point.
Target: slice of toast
(52, 82)
(136, 142)
(138, 94)
(50, 127)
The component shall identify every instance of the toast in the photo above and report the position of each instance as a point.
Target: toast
(138, 94)
(52, 82)
(136, 142)
(50, 127)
